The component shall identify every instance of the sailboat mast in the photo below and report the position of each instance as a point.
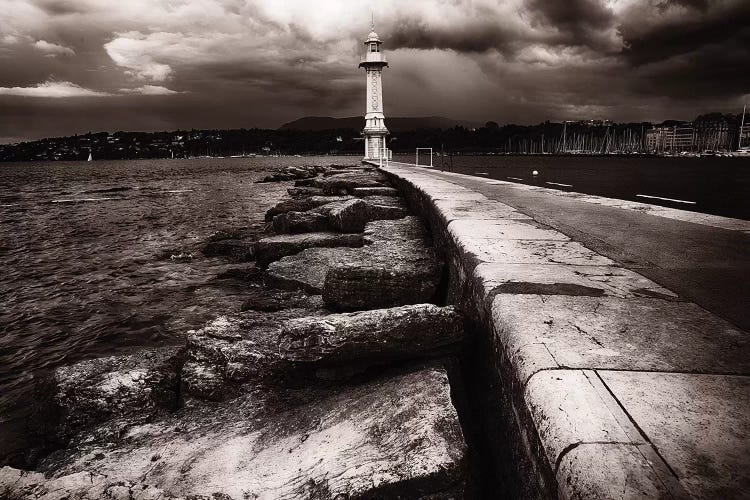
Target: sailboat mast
(742, 126)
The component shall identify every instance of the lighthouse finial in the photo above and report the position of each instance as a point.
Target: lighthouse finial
(372, 20)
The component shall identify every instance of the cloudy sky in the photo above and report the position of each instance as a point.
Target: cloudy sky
(70, 66)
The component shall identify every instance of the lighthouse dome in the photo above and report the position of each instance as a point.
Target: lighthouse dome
(373, 37)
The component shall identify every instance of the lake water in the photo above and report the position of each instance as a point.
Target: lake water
(85, 251)
(713, 185)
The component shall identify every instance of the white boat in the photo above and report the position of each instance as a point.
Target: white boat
(90, 157)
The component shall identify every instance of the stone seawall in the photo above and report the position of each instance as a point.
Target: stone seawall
(592, 380)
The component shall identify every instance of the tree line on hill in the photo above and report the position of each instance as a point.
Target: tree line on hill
(489, 138)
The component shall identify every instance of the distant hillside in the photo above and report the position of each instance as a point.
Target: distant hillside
(358, 122)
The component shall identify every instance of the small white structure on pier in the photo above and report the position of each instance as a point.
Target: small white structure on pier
(375, 132)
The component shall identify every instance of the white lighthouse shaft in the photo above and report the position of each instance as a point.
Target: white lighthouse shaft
(375, 131)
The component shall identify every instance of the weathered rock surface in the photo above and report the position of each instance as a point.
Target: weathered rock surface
(133, 387)
(306, 270)
(304, 191)
(273, 248)
(345, 182)
(399, 273)
(382, 274)
(237, 250)
(408, 228)
(292, 173)
(388, 201)
(300, 222)
(394, 437)
(375, 191)
(351, 216)
(265, 299)
(370, 336)
(302, 205)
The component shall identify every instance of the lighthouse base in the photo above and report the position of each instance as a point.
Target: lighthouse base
(375, 146)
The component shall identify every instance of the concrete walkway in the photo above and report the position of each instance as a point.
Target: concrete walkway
(618, 335)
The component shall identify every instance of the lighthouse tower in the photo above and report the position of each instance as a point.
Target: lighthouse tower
(375, 132)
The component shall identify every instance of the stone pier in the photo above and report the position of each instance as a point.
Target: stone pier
(615, 336)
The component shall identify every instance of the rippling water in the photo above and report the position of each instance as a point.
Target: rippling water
(83, 248)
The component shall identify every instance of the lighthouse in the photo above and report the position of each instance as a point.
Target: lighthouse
(375, 132)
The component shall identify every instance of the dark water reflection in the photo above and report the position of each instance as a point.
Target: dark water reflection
(82, 247)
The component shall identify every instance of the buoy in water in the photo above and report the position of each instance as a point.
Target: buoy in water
(535, 172)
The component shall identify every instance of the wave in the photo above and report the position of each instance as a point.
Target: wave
(81, 200)
(117, 189)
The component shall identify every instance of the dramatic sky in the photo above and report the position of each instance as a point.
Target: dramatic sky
(70, 66)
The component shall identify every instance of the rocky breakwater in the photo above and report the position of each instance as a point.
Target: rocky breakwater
(333, 381)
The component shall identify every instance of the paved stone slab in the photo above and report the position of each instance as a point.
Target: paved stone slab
(468, 228)
(452, 209)
(568, 410)
(609, 332)
(594, 281)
(699, 424)
(593, 471)
(530, 252)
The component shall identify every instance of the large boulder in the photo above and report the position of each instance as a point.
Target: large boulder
(382, 274)
(302, 205)
(406, 229)
(273, 248)
(351, 216)
(294, 172)
(375, 191)
(304, 192)
(345, 182)
(397, 273)
(397, 436)
(300, 222)
(370, 337)
(307, 270)
(132, 388)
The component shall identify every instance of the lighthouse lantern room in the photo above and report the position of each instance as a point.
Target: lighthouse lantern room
(375, 132)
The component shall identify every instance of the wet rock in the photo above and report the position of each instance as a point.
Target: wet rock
(273, 248)
(406, 229)
(402, 273)
(300, 222)
(345, 182)
(388, 201)
(375, 191)
(292, 173)
(304, 192)
(393, 437)
(302, 205)
(232, 349)
(351, 216)
(370, 336)
(237, 250)
(397, 273)
(272, 300)
(306, 270)
(134, 387)
(204, 380)
(18, 484)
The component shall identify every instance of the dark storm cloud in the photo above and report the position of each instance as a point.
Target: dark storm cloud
(725, 24)
(576, 22)
(480, 36)
(225, 63)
